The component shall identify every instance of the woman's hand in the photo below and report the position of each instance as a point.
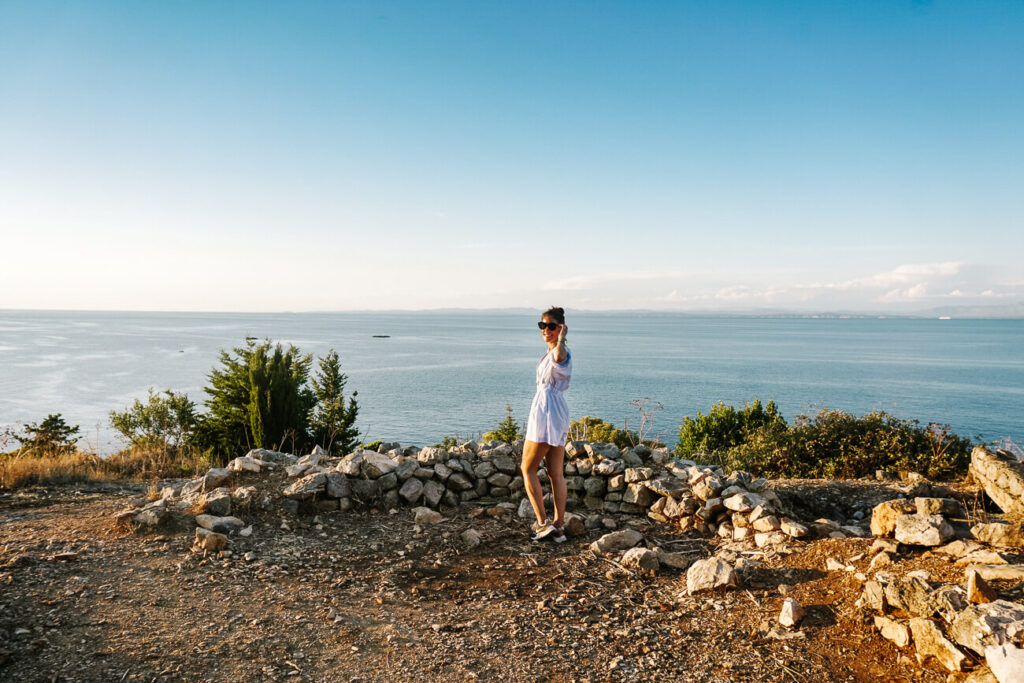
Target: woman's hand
(562, 332)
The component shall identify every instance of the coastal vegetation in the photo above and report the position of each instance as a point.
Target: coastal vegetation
(828, 444)
(261, 395)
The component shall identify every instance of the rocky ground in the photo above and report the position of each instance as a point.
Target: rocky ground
(370, 595)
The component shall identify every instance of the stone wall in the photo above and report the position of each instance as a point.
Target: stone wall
(1002, 477)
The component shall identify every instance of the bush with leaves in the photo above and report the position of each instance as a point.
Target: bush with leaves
(725, 427)
(165, 420)
(836, 444)
(507, 430)
(259, 398)
(596, 430)
(51, 437)
(333, 421)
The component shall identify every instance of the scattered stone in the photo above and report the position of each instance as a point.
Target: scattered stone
(931, 530)
(994, 623)
(412, 490)
(999, 572)
(930, 642)
(616, 540)
(978, 590)
(641, 558)
(423, 515)
(894, 631)
(674, 560)
(883, 545)
(709, 574)
(307, 487)
(471, 537)
(884, 515)
(1001, 535)
(1006, 663)
(791, 614)
(221, 525)
(210, 541)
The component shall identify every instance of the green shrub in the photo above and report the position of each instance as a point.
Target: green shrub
(372, 446)
(333, 422)
(447, 442)
(725, 427)
(164, 420)
(258, 399)
(596, 430)
(836, 444)
(51, 437)
(507, 430)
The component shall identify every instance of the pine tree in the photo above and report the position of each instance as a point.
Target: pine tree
(333, 422)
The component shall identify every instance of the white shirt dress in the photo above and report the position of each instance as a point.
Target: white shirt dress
(549, 414)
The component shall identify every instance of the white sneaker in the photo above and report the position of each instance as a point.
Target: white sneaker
(543, 531)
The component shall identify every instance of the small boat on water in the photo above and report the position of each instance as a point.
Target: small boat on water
(382, 336)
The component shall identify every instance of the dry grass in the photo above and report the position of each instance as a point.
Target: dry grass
(132, 464)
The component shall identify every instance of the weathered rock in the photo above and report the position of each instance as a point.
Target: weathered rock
(912, 594)
(641, 558)
(484, 469)
(674, 560)
(1001, 535)
(873, 597)
(994, 623)
(244, 497)
(432, 456)
(459, 482)
(505, 464)
(792, 612)
(307, 487)
(297, 470)
(638, 474)
(337, 485)
(949, 601)
(412, 490)
(406, 468)
(471, 537)
(351, 464)
(999, 572)
(709, 574)
(1006, 663)
(884, 515)
(222, 525)
(387, 482)
(525, 510)
(883, 545)
(793, 529)
(268, 456)
(769, 523)
(422, 515)
(500, 479)
(743, 502)
(929, 642)
(638, 494)
(979, 591)
(216, 502)
(928, 530)
(896, 632)
(210, 541)
(375, 465)
(946, 507)
(573, 525)
(245, 464)
(1002, 477)
(365, 490)
(617, 540)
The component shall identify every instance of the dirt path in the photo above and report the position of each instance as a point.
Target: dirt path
(373, 597)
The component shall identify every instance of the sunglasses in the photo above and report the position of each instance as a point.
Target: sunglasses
(547, 326)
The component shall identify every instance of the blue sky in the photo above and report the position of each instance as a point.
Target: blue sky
(263, 156)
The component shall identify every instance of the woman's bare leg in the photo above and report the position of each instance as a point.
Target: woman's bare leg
(533, 453)
(554, 461)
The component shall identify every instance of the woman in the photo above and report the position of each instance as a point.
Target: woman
(548, 426)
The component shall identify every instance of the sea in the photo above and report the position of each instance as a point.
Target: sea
(421, 376)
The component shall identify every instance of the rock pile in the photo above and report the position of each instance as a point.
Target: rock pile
(1002, 477)
(950, 623)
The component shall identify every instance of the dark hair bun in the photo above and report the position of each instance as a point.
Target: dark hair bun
(556, 312)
